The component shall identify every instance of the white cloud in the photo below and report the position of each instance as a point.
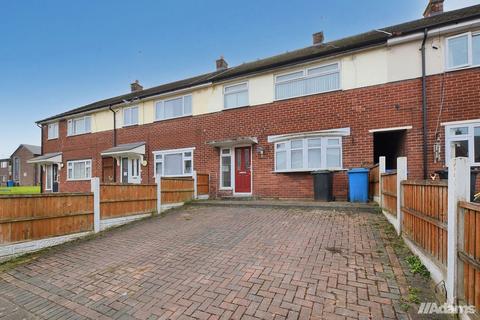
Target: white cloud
(457, 4)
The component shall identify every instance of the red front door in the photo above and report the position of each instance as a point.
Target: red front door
(243, 173)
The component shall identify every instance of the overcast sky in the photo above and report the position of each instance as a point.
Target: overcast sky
(56, 55)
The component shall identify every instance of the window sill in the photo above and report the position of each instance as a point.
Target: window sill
(307, 95)
(465, 67)
(225, 189)
(130, 125)
(48, 139)
(78, 134)
(232, 108)
(74, 180)
(184, 116)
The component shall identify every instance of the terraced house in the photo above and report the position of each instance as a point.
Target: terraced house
(262, 127)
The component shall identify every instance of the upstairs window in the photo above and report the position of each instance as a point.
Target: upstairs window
(79, 170)
(79, 125)
(130, 116)
(173, 108)
(463, 50)
(53, 130)
(308, 81)
(3, 164)
(463, 140)
(174, 163)
(308, 154)
(235, 95)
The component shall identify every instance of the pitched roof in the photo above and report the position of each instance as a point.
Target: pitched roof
(33, 149)
(363, 40)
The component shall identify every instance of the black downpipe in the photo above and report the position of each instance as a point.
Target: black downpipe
(424, 105)
(114, 127)
(41, 151)
(114, 142)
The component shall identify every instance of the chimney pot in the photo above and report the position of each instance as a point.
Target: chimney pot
(318, 38)
(433, 8)
(221, 63)
(136, 86)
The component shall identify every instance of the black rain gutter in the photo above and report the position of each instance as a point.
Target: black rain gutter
(424, 105)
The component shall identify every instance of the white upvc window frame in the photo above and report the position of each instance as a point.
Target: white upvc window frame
(470, 137)
(305, 76)
(225, 94)
(71, 165)
(469, 63)
(52, 131)
(4, 164)
(71, 123)
(230, 155)
(305, 148)
(163, 153)
(131, 109)
(161, 104)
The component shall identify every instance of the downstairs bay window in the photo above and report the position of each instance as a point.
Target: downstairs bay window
(463, 140)
(308, 154)
(174, 163)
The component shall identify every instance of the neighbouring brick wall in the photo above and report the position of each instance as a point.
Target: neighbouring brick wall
(360, 109)
(28, 175)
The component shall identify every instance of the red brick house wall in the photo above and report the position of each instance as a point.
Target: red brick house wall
(382, 106)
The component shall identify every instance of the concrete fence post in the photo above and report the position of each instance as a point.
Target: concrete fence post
(381, 169)
(95, 188)
(458, 190)
(158, 180)
(402, 175)
(195, 191)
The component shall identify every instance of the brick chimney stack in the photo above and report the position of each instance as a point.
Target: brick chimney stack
(433, 8)
(221, 64)
(318, 38)
(136, 86)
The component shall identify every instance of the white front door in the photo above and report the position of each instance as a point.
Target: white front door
(134, 170)
(131, 170)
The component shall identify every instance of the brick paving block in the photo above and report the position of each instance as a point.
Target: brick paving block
(227, 263)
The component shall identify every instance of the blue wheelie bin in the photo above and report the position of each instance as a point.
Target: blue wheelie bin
(10, 183)
(358, 185)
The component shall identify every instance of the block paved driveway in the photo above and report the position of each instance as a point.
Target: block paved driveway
(213, 262)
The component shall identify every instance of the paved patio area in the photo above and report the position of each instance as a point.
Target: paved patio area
(216, 263)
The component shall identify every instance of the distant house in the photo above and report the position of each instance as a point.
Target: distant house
(4, 171)
(23, 173)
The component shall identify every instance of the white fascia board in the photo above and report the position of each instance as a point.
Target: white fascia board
(340, 132)
(454, 27)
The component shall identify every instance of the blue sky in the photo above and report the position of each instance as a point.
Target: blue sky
(56, 55)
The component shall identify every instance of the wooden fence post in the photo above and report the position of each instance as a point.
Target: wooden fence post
(458, 190)
(401, 176)
(381, 169)
(159, 194)
(95, 188)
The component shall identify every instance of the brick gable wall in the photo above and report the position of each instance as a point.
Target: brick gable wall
(360, 109)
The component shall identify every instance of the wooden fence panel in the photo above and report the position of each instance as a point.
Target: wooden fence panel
(470, 255)
(389, 193)
(176, 190)
(373, 181)
(121, 200)
(34, 217)
(203, 184)
(425, 213)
